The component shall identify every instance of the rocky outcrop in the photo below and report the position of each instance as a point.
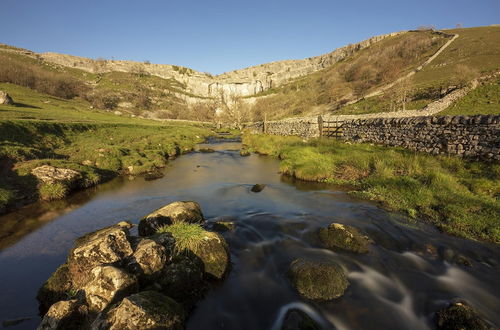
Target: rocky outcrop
(5, 98)
(119, 281)
(318, 280)
(342, 237)
(244, 82)
(50, 174)
(189, 212)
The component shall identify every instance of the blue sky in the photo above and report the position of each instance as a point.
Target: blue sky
(220, 35)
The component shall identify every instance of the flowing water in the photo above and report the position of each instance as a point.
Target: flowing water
(409, 273)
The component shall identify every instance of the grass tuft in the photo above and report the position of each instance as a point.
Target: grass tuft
(187, 236)
(53, 191)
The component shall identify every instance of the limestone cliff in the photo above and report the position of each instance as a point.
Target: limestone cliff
(244, 82)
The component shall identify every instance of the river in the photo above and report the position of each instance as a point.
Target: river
(410, 272)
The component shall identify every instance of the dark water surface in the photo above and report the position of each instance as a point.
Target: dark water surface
(409, 273)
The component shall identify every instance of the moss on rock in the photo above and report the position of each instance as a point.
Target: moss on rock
(459, 316)
(318, 280)
(342, 237)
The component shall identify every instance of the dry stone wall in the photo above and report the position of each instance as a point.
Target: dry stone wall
(465, 136)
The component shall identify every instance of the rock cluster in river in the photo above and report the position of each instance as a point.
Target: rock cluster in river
(113, 280)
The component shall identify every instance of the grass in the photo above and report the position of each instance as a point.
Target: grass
(99, 151)
(53, 191)
(187, 236)
(484, 100)
(460, 197)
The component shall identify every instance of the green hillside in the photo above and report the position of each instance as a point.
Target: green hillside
(475, 53)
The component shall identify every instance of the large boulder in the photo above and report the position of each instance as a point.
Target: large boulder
(318, 280)
(66, 314)
(56, 288)
(144, 310)
(107, 285)
(148, 259)
(189, 212)
(50, 175)
(183, 279)
(342, 237)
(5, 98)
(458, 316)
(295, 319)
(214, 254)
(104, 246)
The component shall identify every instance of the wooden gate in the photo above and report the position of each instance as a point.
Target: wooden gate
(330, 128)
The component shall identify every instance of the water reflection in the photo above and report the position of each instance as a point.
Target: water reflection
(405, 276)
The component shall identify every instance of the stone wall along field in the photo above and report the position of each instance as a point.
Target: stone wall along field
(465, 136)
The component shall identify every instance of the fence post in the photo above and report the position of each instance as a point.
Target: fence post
(264, 124)
(320, 126)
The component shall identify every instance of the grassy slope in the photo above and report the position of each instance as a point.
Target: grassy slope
(458, 196)
(478, 49)
(42, 129)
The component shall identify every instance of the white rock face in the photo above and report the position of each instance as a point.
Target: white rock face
(244, 82)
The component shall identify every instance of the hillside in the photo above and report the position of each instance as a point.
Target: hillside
(343, 88)
(367, 77)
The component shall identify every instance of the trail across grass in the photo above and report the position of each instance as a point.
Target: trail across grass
(460, 197)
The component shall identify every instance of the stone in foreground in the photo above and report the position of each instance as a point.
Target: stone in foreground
(104, 246)
(213, 252)
(318, 280)
(189, 212)
(107, 285)
(459, 316)
(67, 314)
(144, 310)
(148, 259)
(342, 237)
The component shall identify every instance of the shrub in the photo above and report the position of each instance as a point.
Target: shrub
(32, 75)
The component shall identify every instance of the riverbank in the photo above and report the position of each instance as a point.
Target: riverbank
(97, 151)
(459, 197)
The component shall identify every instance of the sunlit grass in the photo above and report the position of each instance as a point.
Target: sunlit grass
(460, 197)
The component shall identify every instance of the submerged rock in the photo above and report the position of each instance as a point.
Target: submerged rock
(175, 212)
(343, 237)
(153, 176)
(144, 310)
(222, 226)
(107, 285)
(244, 153)
(207, 150)
(258, 187)
(295, 319)
(459, 316)
(66, 314)
(51, 175)
(318, 280)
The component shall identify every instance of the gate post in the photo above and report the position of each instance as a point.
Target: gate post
(320, 126)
